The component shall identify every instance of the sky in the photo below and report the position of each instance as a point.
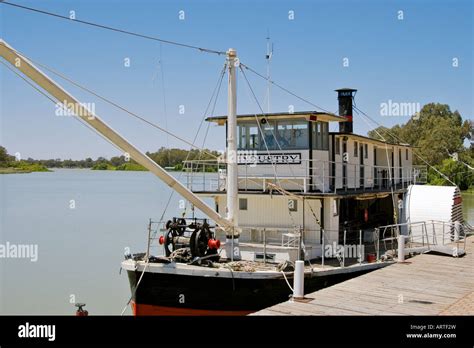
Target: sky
(390, 51)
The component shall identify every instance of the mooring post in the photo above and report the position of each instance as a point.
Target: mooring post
(401, 248)
(298, 280)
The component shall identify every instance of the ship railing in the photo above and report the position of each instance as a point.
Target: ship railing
(155, 230)
(307, 176)
(424, 235)
(317, 246)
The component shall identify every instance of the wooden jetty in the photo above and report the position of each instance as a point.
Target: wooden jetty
(427, 284)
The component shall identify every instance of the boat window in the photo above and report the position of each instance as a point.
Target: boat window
(269, 134)
(356, 146)
(320, 134)
(338, 146)
(366, 150)
(254, 137)
(325, 135)
(249, 137)
(242, 134)
(293, 134)
(406, 154)
(242, 203)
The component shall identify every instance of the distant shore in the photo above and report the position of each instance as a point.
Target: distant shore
(23, 168)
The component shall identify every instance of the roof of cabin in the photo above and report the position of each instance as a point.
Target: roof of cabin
(370, 139)
(320, 116)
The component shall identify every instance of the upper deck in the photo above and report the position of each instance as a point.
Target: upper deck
(298, 153)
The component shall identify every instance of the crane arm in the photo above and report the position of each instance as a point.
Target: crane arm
(63, 97)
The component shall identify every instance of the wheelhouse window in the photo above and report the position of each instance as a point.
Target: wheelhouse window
(366, 151)
(406, 154)
(356, 147)
(274, 135)
(269, 136)
(338, 146)
(292, 134)
(249, 137)
(320, 135)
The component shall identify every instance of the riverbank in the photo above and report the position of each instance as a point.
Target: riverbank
(23, 168)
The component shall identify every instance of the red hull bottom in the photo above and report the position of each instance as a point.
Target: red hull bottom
(147, 310)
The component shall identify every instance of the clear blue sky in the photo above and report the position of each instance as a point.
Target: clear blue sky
(407, 60)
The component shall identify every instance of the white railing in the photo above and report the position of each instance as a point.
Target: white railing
(310, 175)
(424, 234)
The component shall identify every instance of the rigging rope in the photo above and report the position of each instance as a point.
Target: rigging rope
(355, 108)
(122, 31)
(78, 119)
(216, 93)
(62, 76)
(277, 179)
(283, 88)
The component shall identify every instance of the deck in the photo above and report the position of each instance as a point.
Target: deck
(426, 284)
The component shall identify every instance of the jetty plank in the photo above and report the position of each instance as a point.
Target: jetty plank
(427, 284)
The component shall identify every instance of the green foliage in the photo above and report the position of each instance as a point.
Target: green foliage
(8, 164)
(131, 167)
(436, 132)
(456, 171)
(103, 166)
(4, 158)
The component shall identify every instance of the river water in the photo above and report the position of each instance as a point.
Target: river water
(81, 221)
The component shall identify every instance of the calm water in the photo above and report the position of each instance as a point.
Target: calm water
(80, 249)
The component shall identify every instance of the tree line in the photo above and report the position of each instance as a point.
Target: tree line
(169, 158)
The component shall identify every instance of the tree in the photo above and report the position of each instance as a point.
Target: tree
(437, 133)
(4, 157)
(456, 171)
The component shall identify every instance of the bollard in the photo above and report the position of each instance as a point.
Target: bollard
(401, 248)
(298, 280)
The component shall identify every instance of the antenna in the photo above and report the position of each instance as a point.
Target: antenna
(268, 57)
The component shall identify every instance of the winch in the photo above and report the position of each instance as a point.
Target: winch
(195, 234)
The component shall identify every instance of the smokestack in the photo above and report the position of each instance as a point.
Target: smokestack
(345, 97)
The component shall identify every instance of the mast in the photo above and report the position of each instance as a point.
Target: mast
(232, 169)
(268, 57)
(67, 100)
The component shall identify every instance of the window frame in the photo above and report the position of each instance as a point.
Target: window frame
(241, 206)
(320, 135)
